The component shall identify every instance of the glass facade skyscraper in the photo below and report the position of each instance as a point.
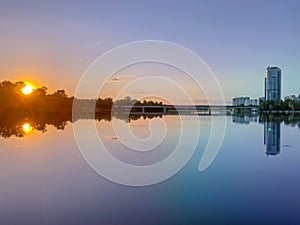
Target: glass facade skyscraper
(273, 83)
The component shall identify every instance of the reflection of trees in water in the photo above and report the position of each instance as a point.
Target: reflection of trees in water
(291, 120)
(12, 122)
(128, 118)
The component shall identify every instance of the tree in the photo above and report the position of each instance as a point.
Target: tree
(60, 93)
(40, 91)
(292, 104)
(263, 105)
(104, 103)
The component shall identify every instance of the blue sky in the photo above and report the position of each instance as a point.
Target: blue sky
(53, 42)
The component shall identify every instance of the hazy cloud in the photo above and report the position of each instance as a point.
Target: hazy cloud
(114, 138)
(114, 80)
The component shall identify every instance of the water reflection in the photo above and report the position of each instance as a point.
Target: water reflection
(272, 128)
(272, 138)
(22, 123)
(244, 119)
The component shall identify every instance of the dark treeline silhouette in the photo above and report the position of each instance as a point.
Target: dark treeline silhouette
(134, 102)
(128, 101)
(12, 98)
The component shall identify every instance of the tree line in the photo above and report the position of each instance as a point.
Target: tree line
(134, 102)
(275, 105)
(12, 98)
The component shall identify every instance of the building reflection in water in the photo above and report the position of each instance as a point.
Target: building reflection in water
(244, 119)
(272, 138)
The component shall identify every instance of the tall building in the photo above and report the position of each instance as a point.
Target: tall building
(273, 83)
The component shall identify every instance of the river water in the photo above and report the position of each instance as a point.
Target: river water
(253, 180)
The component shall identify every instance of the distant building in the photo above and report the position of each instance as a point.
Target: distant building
(262, 99)
(244, 101)
(273, 83)
(241, 101)
(254, 102)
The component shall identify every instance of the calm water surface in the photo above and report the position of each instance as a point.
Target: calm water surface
(254, 179)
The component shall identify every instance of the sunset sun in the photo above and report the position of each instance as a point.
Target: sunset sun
(27, 127)
(27, 89)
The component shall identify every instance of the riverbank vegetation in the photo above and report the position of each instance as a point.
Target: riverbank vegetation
(289, 105)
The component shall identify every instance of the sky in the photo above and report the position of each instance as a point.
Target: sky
(52, 43)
